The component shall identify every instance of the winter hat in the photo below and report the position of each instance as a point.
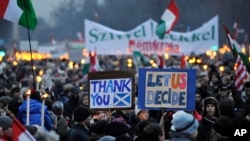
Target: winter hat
(81, 113)
(35, 95)
(122, 120)
(116, 128)
(210, 100)
(138, 111)
(226, 107)
(99, 127)
(183, 122)
(5, 122)
(107, 138)
(223, 126)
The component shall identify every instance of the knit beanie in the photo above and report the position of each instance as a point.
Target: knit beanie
(5, 122)
(81, 113)
(183, 122)
(107, 138)
(116, 128)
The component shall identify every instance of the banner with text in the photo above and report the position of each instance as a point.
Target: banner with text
(109, 41)
(167, 88)
(111, 89)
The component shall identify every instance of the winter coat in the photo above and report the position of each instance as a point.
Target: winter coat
(79, 133)
(35, 114)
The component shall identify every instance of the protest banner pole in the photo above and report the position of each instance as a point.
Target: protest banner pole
(163, 119)
(109, 114)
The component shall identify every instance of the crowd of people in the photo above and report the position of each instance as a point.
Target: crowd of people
(67, 117)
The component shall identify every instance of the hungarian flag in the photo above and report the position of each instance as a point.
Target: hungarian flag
(161, 62)
(184, 64)
(168, 20)
(16, 11)
(236, 49)
(20, 133)
(91, 64)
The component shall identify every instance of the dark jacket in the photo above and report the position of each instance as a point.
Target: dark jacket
(79, 133)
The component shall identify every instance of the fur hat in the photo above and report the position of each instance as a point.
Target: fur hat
(5, 122)
(210, 100)
(81, 113)
(183, 122)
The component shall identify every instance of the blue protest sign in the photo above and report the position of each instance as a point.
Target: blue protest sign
(167, 88)
(109, 90)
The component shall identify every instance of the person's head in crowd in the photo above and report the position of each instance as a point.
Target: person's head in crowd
(226, 107)
(6, 124)
(82, 115)
(121, 120)
(224, 91)
(14, 91)
(210, 108)
(140, 126)
(119, 114)
(141, 114)
(223, 128)
(247, 88)
(198, 100)
(226, 79)
(215, 77)
(4, 100)
(203, 78)
(84, 99)
(184, 126)
(58, 108)
(23, 92)
(42, 135)
(116, 128)
(153, 132)
(98, 129)
(107, 138)
(36, 95)
(67, 88)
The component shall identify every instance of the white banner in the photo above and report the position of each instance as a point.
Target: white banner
(109, 41)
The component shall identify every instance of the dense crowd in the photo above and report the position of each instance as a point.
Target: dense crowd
(67, 117)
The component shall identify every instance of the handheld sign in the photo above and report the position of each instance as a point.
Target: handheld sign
(167, 88)
(111, 90)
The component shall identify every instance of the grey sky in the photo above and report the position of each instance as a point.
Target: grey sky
(43, 8)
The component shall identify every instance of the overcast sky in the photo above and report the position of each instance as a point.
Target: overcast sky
(43, 8)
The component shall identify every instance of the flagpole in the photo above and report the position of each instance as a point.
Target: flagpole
(32, 63)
